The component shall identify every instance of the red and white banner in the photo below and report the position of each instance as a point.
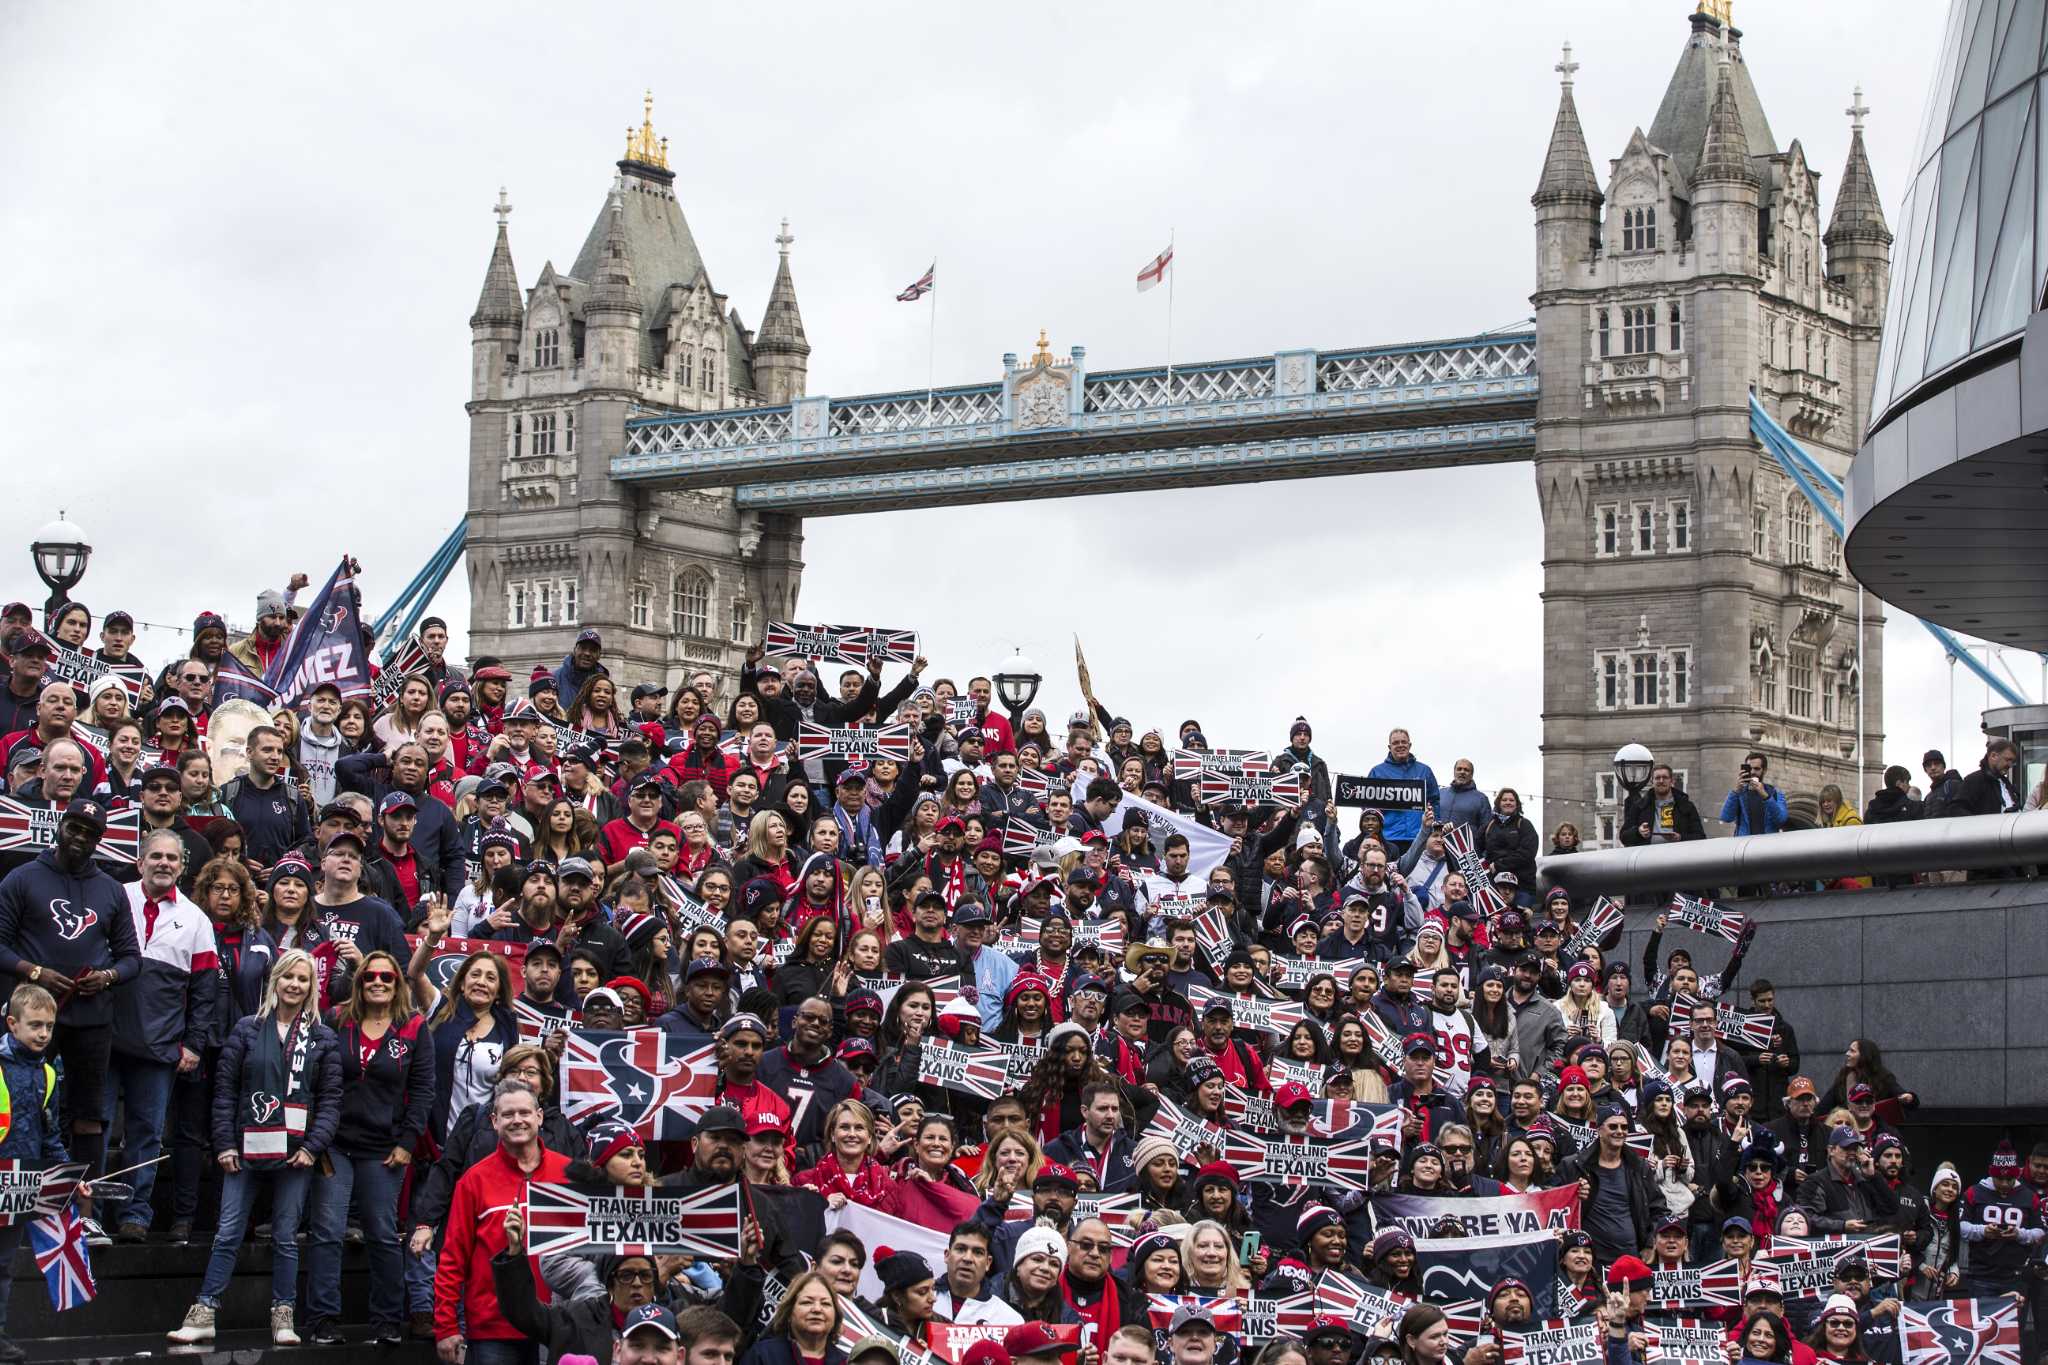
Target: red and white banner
(27, 824)
(656, 1084)
(633, 1222)
(853, 741)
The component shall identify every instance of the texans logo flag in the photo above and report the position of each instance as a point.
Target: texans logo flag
(410, 659)
(1703, 917)
(1960, 1332)
(1252, 789)
(633, 1222)
(791, 641)
(28, 824)
(1458, 843)
(865, 644)
(1603, 919)
(233, 681)
(1454, 1268)
(856, 741)
(450, 953)
(640, 1076)
(1882, 1254)
(1555, 1343)
(1190, 764)
(325, 646)
(58, 1241)
(983, 1072)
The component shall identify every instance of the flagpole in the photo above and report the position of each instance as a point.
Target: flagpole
(1170, 273)
(931, 349)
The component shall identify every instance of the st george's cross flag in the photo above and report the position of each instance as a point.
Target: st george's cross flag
(1155, 270)
(1960, 1332)
(922, 285)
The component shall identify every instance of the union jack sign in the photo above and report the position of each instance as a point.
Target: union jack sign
(29, 1189)
(1121, 1212)
(983, 1072)
(1287, 790)
(641, 1077)
(1191, 764)
(410, 659)
(853, 741)
(1601, 920)
(849, 644)
(25, 824)
(633, 1222)
(1703, 917)
(1277, 1017)
(1478, 881)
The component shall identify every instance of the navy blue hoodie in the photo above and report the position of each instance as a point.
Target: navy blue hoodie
(72, 924)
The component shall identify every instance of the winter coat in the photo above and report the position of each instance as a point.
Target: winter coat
(470, 1139)
(475, 1232)
(1685, 817)
(1464, 805)
(385, 1104)
(1740, 807)
(234, 1083)
(242, 961)
(1831, 1202)
(34, 1134)
(1645, 1201)
(435, 837)
(1890, 805)
(1403, 825)
(1511, 845)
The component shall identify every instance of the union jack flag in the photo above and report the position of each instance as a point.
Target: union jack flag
(691, 912)
(1185, 1131)
(1880, 1253)
(790, 641)
(1960, 1332)
(451, 953)
(1478, 881)
(634, 1222)
(1277, 1017)
(58, 1240)
(1034, 784)
(1227, 1314)
(1212, 931)
(1022, 839)
(25, 824)
(922, 285)
(853, 741)
(1464, 1318)
(1561, 1340)
(978, 1071)
(1286, 790)
(865, 644)
(410, 659)
(1602, 919)
(1121, 1212)
(1685, 1340)
(1703, 917)
(640, 1076)
(1191, 764)
(1735, 1026)
(535, 1023)
(855, 1324)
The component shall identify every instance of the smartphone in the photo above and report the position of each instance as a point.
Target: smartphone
(1248, 1248)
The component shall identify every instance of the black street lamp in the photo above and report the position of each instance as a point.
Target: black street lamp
(1017, 684)
(60, 553)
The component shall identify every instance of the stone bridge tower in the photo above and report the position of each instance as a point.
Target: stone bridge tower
(675, 582)
(1693, 601)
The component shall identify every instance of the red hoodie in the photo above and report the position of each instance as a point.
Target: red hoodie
(475, 1233)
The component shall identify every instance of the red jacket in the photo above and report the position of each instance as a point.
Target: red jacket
(622, 836)
(475, 1233)
(694, 766)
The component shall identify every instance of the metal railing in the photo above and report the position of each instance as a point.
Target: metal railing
(1959, 843)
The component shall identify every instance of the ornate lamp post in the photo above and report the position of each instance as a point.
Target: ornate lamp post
(60, 552)
(1632, 764)
(1017, 684)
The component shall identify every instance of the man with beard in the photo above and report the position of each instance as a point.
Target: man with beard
(65, 925)
(806, 1075)
(536, 910)
(1509, 1308)
(928, 954)
(1459, 1147)
(1054, 1191)
(1538, 1027)
(163, 804)
(1167, 1009)
(1237, 1060)
(1713, 1168)
(741, 1041)
(1461, 1045)
(1618, 1197)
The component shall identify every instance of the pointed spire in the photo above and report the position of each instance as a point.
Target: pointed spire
(1858, 211)
(499, 301)
(1568, 166)
(1724, 153)
(613, 286)
(782, 326)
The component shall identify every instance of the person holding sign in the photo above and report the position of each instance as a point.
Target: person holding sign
(585, 1326)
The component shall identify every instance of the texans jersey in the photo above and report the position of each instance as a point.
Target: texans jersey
(1984, 1207)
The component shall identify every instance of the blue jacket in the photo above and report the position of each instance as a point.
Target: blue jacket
(1745, 811)
(435, 839)
(857, 835)
(993, 974)
(1467, 806)
(71, 924)
(569, 679)
(273, 819)
(32, 1131)
(233, 1084)
(1404, 825)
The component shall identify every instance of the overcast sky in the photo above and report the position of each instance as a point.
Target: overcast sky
(245, 242)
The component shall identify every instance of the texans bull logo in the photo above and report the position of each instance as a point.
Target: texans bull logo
(639, 1076)
(263, 1106)
(331, 619)
(71, 923)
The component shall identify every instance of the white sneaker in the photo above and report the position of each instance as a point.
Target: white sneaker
(281, 1333)
(198, 1326)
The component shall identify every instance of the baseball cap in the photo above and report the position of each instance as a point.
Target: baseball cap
(394, 802)
(1059, 1176)
(1799, 1085)
(646, 690)
(576, 867)
(651, 1315)
(1191, 1315)
(88, 809)
(1035, 1339)
(1294, 1094)
(1416, 1043)
(706, 966)
(589, 637)
(722, 1118)
(1845, 1136)
(1860, 1093)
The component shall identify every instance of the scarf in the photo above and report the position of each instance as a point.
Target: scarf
(278, 1091)
(1099, 1320)
(869, 1185)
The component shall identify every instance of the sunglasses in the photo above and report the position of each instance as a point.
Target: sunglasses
(386, 977)
(160, 786)
(1090, 1244)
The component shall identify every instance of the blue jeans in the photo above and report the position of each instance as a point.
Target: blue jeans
(419, 1280)
(374, 1187)
(144, 1086)
(287, 1201)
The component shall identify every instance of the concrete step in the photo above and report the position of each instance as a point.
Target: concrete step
(239, 1347)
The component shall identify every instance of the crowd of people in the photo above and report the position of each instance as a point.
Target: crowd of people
(340, 985)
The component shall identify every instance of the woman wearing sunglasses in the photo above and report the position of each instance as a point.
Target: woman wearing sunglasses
(387, 1074)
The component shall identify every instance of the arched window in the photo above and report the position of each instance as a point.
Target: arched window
(704, 374)
(1760, 531)
(547, 347)
(1798, 529)
(687, 371)
(1764, 679)
(689, 603)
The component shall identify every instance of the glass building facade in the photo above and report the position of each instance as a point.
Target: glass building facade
(1970, 253)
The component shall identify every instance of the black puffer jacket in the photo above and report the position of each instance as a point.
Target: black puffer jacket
(1510, 846)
